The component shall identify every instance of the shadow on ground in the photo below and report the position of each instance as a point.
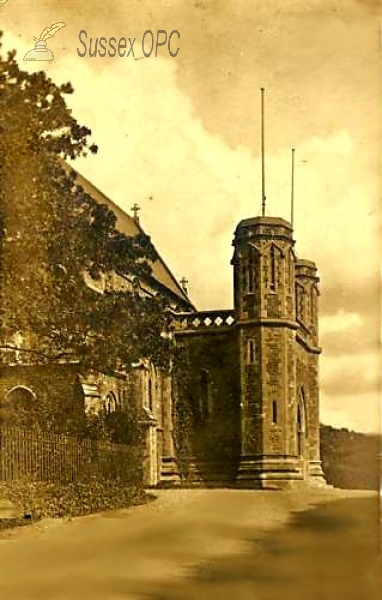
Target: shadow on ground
(331, 551)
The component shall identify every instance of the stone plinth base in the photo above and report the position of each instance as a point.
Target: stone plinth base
(316, 475)
(278, 473)
(254, 473)
(269, 473)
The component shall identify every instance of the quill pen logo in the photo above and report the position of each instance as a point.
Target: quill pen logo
(40, 51)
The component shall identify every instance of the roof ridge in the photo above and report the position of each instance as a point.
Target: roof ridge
(160, 262)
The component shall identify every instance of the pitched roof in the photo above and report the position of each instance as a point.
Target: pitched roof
(129, 226)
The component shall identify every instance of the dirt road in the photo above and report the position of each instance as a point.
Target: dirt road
(199, 544)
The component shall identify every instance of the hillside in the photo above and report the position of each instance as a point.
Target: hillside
(349, 459)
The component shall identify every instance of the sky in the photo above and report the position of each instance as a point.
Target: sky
(180, 136)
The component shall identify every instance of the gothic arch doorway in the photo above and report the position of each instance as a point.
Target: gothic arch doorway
(302, 444)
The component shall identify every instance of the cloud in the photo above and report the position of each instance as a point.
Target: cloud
(186, 133)
(350, 374)
(340, 143)
(358, 340)
(344, 332)
(340, 321)
(359, 412)
(357, 290)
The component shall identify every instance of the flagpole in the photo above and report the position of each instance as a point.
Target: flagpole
(292, 190)
(263, 198)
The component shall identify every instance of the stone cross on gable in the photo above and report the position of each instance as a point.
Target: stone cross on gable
(136, 208)
(183, 282)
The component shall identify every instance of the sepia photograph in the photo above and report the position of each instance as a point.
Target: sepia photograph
(190, 263)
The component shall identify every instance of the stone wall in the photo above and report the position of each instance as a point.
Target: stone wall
(209, 387)
(279, 352)
(55, 392)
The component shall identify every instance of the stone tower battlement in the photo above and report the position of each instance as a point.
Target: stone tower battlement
(275, 300)
(264, 269)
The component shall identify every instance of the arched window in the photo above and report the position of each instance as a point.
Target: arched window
(312, 303)
(274, 412)
(273, 269)
(251, 286)
(20, 393)
(244, 278)
(251, 272)
(110, 403)
(303, 394)
(251, 351)
(299, 432)
(290, 267)
(301, 417)
(19, 406)
(300, 302)
(150, 394)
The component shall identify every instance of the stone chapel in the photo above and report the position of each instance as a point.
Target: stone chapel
(250, 382)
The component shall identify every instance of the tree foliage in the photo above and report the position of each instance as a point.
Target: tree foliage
(52, 234)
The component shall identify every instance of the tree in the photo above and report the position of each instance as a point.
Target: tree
(52, 233)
